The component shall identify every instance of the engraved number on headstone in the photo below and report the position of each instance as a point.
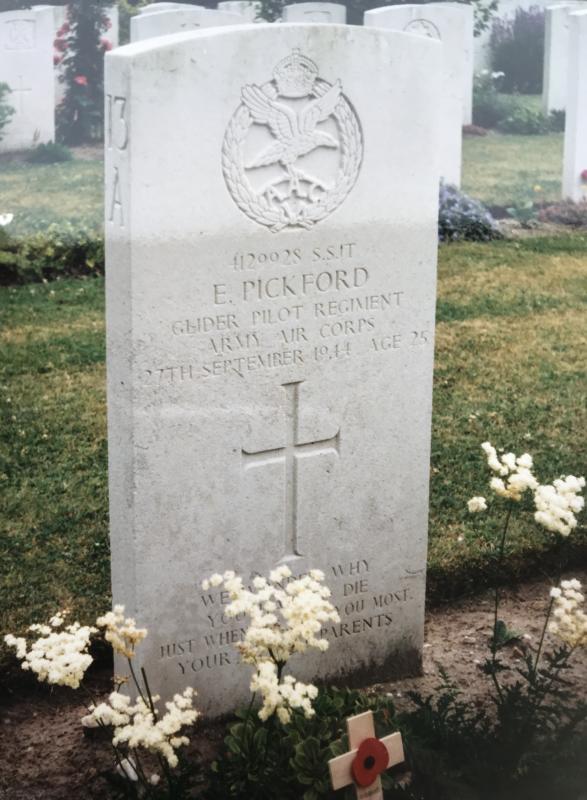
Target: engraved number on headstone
(117, 124)
(289, 454)
(116, 209)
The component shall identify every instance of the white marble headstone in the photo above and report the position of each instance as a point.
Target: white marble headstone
(575, 149)
(451, 23)
(248, 9)
(26, 65)
(315, 12)
(556, 56)
(270, 315)
(178, 21)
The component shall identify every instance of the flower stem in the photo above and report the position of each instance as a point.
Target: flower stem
(496, 599)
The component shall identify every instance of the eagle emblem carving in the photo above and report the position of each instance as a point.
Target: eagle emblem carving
(293, 149)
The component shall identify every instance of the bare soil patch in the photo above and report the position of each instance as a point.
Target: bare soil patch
(44, 754)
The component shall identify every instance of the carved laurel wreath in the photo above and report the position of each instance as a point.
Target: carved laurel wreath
(256, 206)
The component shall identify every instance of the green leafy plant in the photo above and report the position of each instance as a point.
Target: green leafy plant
(49, 153)
(489, 105)
(6, 110)
(264, 760)
(525, 121)
(59, 251)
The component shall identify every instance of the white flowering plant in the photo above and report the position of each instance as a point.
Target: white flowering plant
(555, 508)
(144, 739)
(287, 616)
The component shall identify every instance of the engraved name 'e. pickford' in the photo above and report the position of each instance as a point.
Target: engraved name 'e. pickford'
(282, 183)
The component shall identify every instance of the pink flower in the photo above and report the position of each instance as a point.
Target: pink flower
(584, 175)
(106, 45)
(63, 29)
(57, 60)
(81, 80)
(60, 44)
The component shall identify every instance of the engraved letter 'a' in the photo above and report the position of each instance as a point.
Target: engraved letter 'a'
(293, 148)
(289, 455)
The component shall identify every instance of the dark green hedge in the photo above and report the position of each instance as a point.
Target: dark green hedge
(60, 251)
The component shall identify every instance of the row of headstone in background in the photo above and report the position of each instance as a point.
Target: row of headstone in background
(270, 337)
(26, 65)
(160, 19)
(451, 23)
(575, 147)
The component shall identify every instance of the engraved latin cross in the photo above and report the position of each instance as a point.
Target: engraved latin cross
(21, 92)
(289, 455)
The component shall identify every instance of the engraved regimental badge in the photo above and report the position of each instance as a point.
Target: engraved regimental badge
(423, 27)
(293, 148)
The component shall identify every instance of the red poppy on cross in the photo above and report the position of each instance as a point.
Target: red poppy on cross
(367, 758)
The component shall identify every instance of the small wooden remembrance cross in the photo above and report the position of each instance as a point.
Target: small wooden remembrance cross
(367, 759)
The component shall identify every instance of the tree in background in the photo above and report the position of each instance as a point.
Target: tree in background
(80, 46)
(484, 9)
(517, 50)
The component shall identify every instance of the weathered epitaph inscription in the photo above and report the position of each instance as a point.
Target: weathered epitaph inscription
(270, 353)
(295, 196)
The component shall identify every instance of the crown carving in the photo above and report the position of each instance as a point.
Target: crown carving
(295, 75)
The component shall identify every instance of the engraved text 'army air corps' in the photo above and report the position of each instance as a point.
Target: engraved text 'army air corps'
(293, 148)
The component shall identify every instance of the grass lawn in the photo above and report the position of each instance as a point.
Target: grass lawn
(510, 367)
(503, 169)
(498, 169)
(41, 194)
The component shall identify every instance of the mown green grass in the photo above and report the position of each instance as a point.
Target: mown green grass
(510, 367)
(503, 169)
(42, 194)
(500, 170)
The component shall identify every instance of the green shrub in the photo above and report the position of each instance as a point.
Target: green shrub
(62, 250)
(50, 153)
(489, 106)
(517, 50)
(269, 760)
(6, 111)
(525, 121)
